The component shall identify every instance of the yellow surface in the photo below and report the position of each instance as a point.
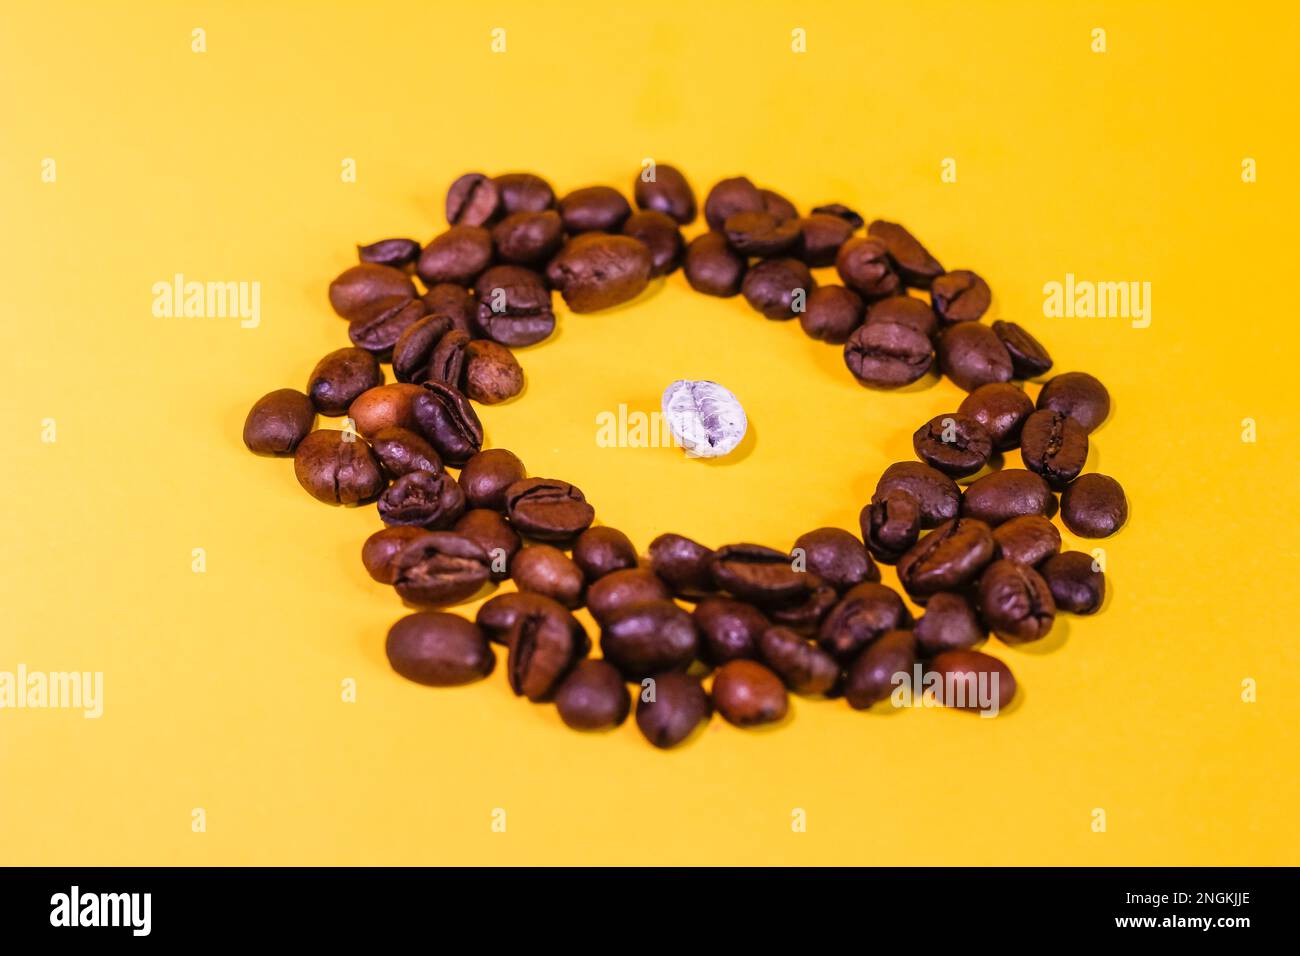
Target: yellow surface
(223, 689)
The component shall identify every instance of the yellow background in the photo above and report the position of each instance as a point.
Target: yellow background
(222, 689)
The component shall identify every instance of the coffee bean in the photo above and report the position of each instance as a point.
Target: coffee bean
(447, 361)
(337, 468)
(548, 509)
(871, 676)
(971, 355)
(384, 407)
(544, 569)
(414, 349)
(487, 475)
(890, 523)
(645, 639)
(1029, 539)
(491, 532)
(885, 355)
(832, 313)
(658, 233)
(601, 551)
(777, 206)
(593, 697)
(712, 267)
(760, 233)
(756, 573)
(620, 589)
(1053, 446)
(340, 377)
(705, 418)
(803, 666)
(747, 694)
(904, 310)
(514, 306)
(912, 261)
(498, 616)
(684, 564)
(954, 444)
(451, 302)
(820, 238)
(594, 209)
(396, 253)
(960, 296)
(597, 271)
(1001, 408)
(381, 548)
(862, 615)
(729, 629)
(445, 417)
(949, 557)
(472, 200)
(678, 705)
(379, 332)
(440, 568)
(668, 192)
(837, 557)
(936, 493)
(1028, 357)
(729, 197)
(458, 255)
(492, 373)
(422, 498)
(524, 192)
(528, 238)
(356, 290)
(1078, 395)
(864, 265)
(1094, 506)
(805, 614)
(278, 421)
(843, 212)
(1015, 602)
(542, 650)
(778, 288)
(948, 624)
(1007, 494)
(971, 680)
(1076, 584)
(439, 649)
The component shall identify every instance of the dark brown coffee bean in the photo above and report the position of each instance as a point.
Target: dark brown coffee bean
(492, 373)
(885, 355)
(713, 267)
(971, 355)
(384, 407)
(778, 288)
(645, 639)
(440, 568)
(777, 206)
(904, 310)
(971, 680)
(594, 209)
(491, 532)
(729, 197)
(948, 624)
(593, 697)
(760, 233)
(1007, 494)
(601, 551)
(747, 694)
(832, 313)
(820, 238)
(543, 649)
(841, 211)
(340, 377)
(356, 291)
(395, 253)
(544, 569)
(862, 615)
(837, 557)
(960, 296)
(874, 674)
(447, 362)
(1094, 506)
(671, 713)
(891, 523)
(1054, 446)
(1002, 409)
(498, 616)
(278, 421)
(458, 255)
(954, 444)
(729, 629)
(659, 233)
(337, 468)
(472, 200)
(1076, 584)
(439, 649)
(446, 418)
(1015, 602)
(805, 614)
(422, 498)
(756, 573)
(947, 558)
(864, 265)
(524, 192)
(514, 306)
(1028, 357)
(1078, 395)
(487, 475)
(936, 493)
(548, 509)
(684, 564)
(803, 666)
(528, 238)
(380, 332)
(912, 261)
(451, 302)
(620, 589)
(382, 547)
(597, 271)
(667, 192)
(1029, 539)
(414, 349)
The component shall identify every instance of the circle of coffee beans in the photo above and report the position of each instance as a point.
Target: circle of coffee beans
(814, 620)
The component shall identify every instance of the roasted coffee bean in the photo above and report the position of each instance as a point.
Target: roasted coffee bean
(1078, 395)
(597, 271)
(414, 349)
(491, 532)
(904, 310)
(382, 547)
(340, 377)
(445, 417)
(960, 296)
(492, 373)
(747, 694)
(1015, 602)
(528, 238)
(487, 475)
(684, 564)
(620, 589)
(447, 362)
(440, 568)
(885, 355)
(548, 509)
(891, 523)
(912, 261)
(778, 206)
(458, 255)
(594, 209)
(756, 573)
(659, 233)
(778, 288)
(498, 616)
(1054, 446)
(1007, 494)
(380, 332)
(514, 306)
(947, 558)
(601, 551)
(1028, 357)
(803, 666)
(820, 238)
(593, 697)
(1029, 539)
(524, 192)
(713, 267)
(337, 468)
(971, 680)
(384, 407)
(729, 197)
(862, 615)
(837, 557)
(422, 498)
(805, 615)
(451, 302)
(864, 265)
(935, 492)
(831, 314)
(356, 291)
(543, 649)
(971, 355)
(472, 200)
(544, 569)
(954, 444)
(1001, 408)
(760, 233)
(667, 192)
(1094, 506)
(677, 706)
(401, 452)
(439, 649)
(644, 639)
(278, 421)
(397, 253)
(948, 624)
(871, 677)
(841, 211)
(1076, 584)
(729, 629)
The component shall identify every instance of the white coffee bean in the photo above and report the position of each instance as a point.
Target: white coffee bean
(705, 417)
